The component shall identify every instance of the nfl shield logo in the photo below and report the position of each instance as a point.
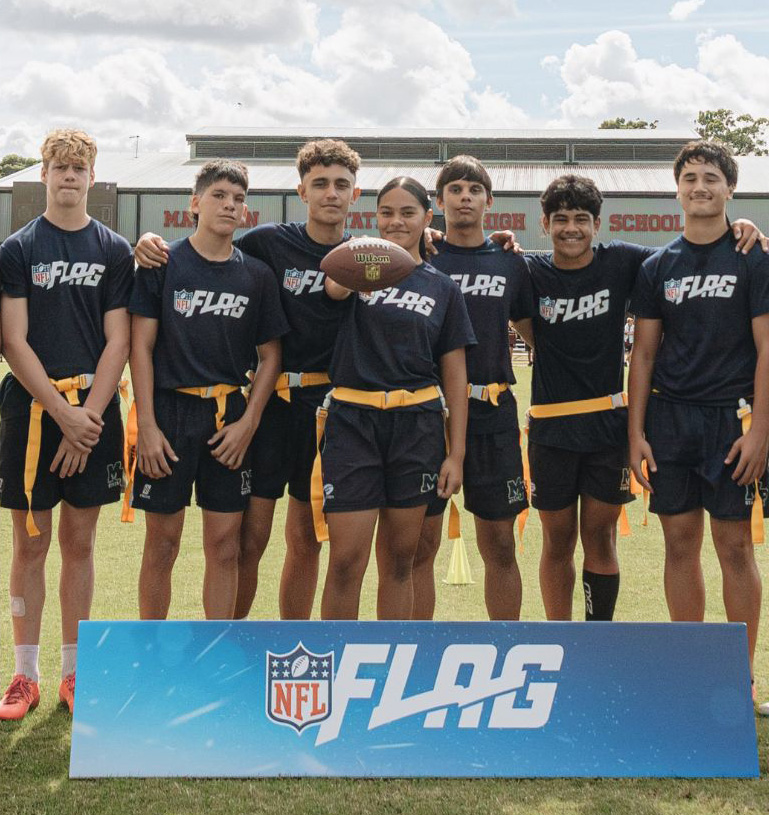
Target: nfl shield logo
(41, 274)
(546, 308)
(292, 279)
(672, 288)
(372, 272)
(299, 686)
(182, 301)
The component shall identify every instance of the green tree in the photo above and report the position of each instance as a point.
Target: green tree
(744, 134)
(628, 124)
(12, 163)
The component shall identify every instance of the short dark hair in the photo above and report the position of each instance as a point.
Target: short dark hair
(572, 192)
(416, 189)
(326, 152)
(708, 152)
(221, 168)
(463, 168)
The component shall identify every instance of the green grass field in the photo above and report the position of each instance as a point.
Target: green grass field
(34, 755)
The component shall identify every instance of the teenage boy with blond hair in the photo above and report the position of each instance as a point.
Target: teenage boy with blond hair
(66, 281)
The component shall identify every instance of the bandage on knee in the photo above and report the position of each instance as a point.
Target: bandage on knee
(18, 607)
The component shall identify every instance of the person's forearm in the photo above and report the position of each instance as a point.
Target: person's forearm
(455, 393)
(143, 381)
(108, 372)
(639, 387)
(267, 372)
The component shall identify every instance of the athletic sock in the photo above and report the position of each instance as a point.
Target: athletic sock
(68, 659)
(601, 592)
(27, 661)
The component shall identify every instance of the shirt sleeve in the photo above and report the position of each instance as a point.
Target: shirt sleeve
(522, 302)
(271, 322)
(121, 276)
(457, 330)
(146, 295)
(643, 302)
(255, 243)
(13, 279)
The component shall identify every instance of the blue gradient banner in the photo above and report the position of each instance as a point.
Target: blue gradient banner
(215, 699)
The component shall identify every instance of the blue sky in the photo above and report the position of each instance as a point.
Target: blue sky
(162, 70)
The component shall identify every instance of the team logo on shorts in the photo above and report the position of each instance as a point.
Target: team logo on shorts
(429, 482)
(41, 274)
(672, 290)
(183, 301)
(624, 485)
(546, 308)
(146, 491)
(299, 687)
(328, 492)
(532, 489)
(245, 483)
(292, 279)
(115, 475)
(1, 485)
(750, 494)
(516, 491)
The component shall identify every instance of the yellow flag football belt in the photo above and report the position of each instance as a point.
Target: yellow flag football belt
(383, 400)
(579, 406)
(69, 386)
(289, 380)
(745, 415)
(487, 393)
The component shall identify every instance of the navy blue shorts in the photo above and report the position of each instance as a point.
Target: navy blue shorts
(493, 485)
(100, 482)
(283, 449)
(380, 458)
(188, 422)
(689, 444)
(559, 477)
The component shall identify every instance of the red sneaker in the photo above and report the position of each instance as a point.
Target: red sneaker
(67, 691)
(22, 696)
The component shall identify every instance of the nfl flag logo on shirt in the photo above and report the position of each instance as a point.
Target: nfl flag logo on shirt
(41, 274)
(182, 301)
(299, 687)
(546, 308)
(292, 279)
(672, 289)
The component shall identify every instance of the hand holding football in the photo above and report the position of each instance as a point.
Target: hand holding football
(367, 264)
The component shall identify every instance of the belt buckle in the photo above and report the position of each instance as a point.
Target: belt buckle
(479, 392)
(294, 380)
(617, 401)
(208, 392)
(744, 409)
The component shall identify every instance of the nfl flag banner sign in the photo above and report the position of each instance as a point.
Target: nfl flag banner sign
(240, 699)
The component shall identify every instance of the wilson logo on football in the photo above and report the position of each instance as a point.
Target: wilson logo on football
(299, 687)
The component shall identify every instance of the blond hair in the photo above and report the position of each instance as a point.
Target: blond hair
(68, 144)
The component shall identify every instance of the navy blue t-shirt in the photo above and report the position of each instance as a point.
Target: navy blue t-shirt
(212, 315)
(579, 343)
(497, 289)
(706, 296)
(70, 279)
(312, 316)
(394, 338)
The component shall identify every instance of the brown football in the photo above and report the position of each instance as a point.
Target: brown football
(367, 264)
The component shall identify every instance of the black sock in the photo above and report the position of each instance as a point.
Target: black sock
(601, 592)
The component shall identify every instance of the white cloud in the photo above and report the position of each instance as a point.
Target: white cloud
(684, 9)
(608, 78)
(397, 68)
(406, 71)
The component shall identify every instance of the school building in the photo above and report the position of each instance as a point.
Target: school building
(149, 192)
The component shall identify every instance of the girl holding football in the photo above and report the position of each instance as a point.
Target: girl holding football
(398, 364)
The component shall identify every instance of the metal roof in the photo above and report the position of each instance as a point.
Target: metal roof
(382, 133)
(176, 171)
